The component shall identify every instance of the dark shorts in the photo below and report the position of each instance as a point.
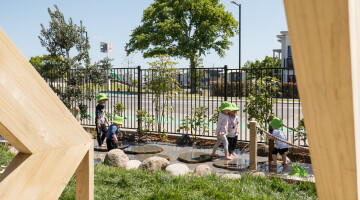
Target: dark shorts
(280, 151)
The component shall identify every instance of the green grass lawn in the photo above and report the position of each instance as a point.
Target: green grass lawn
(114, 183)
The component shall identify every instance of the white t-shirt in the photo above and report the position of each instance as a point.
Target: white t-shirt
(278, 144)
(233, 123)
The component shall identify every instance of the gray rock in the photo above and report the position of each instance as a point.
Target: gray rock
(231, 176)
(184, 140)
(154, 164)
(13, 150)
(146, 140)
(279, 158)
(202, 170)
(132, 164)
(263, 150)
(254, 174)
(116, 157)
(177, 169)
(100, 157)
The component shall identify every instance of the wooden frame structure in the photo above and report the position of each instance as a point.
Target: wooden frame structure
(51, 143)
(325, 42)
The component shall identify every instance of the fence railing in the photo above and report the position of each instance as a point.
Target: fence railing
(213, 85)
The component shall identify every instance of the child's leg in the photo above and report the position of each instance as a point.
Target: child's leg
(98, 136)
(104, 133)
(274, 158)
(284, 156)
(234, 141)
(216, 146)
(226, 148)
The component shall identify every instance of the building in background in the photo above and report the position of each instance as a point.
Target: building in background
(286, 57)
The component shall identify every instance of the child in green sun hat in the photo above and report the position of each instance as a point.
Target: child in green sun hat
(280, 147)
(100, 119)
(233, 127)
(222, 129)
(113, 133)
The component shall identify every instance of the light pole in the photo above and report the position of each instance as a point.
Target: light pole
(239, 5)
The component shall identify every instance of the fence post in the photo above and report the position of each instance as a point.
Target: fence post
(271, 144)
(253, 145)
(225, 82)
(139, 93)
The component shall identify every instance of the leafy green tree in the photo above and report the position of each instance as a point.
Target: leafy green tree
(258, 69)
(162, 81)
(59, 39)
(185, 29)
(45, 65)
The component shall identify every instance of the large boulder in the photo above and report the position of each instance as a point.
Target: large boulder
(231, 176)
(202, 170)
(116, 157)
(154, 164)
(132, 164)
(178, 169)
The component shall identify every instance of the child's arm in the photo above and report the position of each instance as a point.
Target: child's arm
(115, 138)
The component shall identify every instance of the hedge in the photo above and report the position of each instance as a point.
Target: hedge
(287, 89)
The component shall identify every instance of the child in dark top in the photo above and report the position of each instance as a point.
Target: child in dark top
(113, 133)
(100, 119)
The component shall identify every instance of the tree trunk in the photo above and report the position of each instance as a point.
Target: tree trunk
(193, 76)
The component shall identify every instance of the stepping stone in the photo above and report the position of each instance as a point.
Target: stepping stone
(143, 149)
(143, 157)
(104, 149)
(238, 164)
(195, 157)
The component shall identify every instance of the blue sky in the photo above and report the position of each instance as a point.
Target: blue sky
(113, 20)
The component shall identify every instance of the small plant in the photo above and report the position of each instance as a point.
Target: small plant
(195, 122)
(301, 136)
(146, 119)
(215, 116)
(118, 109)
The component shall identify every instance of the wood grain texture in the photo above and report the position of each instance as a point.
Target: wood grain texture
(320, 43)
(50, 141)
(85, 176)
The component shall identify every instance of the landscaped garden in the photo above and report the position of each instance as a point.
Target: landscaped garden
(116, 183)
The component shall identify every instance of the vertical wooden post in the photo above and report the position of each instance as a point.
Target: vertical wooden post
(271, 144)
(253, 146)
(85, 177)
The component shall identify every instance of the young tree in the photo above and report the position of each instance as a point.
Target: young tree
(183, 28)
(59, 39)
(163, 84)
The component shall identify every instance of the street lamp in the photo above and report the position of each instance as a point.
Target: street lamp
(239, 5)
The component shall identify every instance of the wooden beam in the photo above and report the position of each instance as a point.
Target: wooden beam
(85, 177)
(325, 60)
(253, 146)
(50, 141)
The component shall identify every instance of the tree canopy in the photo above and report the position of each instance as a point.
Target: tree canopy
(183, 28)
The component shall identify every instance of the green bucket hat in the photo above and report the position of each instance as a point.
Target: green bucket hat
(225, 106)
(234, 107)
(297, 170)
(276, 123)
(118, 120)
(101, 97)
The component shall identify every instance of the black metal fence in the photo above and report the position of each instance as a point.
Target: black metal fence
(128, 86)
